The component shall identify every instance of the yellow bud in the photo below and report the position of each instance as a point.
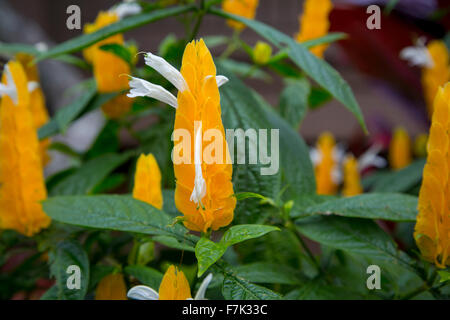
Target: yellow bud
(262, 53)
(352, 180)
(420, 145)
(147, 181)
(174, 285)
(400, 149)
(111, 287)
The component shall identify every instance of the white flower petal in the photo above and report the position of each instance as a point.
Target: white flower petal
(142, 293)
(315, 156)
(220, 80)
(202, 290)
(166, 70)
(126, 9)
(418, 54)
(143, 88)
(370, 158)
(199, 182)
(32, 85)
(9, 89)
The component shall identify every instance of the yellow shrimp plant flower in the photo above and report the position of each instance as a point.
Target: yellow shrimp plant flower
(326, 158)
(174, 286)
(37, 101)
(204, 191)
(243, 8)
(22, 184)
(432, 230)
(108, 68)
(111, 287)
(400, 149)
(147, 181)
(352, 179)
(436, 73)
(314, 23)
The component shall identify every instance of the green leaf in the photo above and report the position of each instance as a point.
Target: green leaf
(389, 206)
(318, 290)
(294, 101)
(444, 275)
(90, 175)
(172, 242)
(317, 69)
(237, 288)
(66, 254)
(328, 38)
(240, 110)
(107, 140)
(266, 272)
(11, 49)
(243, 69)
(66, 115)
(297, 176)
(113, 212)
(121, 26)
(208, 252)
(146, 275)
(402, 180)
(358, 236)
(318, 97)
(244, 232)
(119, 50)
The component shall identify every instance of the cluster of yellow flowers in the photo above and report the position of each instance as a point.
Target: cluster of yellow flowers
(204, 191)
(437, 74)
(243, 8)
(327, 158)
(22, 184)
(432, 231)
(400, 149)
(110, 71)
(314, 23)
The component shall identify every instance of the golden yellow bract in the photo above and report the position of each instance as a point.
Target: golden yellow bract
(103, 19)
(326, 165)
(436, 75)
(147, 181)
(37, 102)
(111, 287)
(352, 179)
(400, 149)
(110, 71)
(314, 23)
(243, 8)
(432, 230)
(22, 184)
(174, 285)
(201, 102)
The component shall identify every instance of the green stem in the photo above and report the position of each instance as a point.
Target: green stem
(232, 46)
(201, 14)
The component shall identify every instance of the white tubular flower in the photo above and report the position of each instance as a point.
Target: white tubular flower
(9, 89)
(220, 80)
(166, 70)
(143, 293)
(143, 88)
(199, 182)
(32, 85)
(315, 156)
(202, 290)
(128, 8)
(417, 55)
(146, 293)
(371, 158)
